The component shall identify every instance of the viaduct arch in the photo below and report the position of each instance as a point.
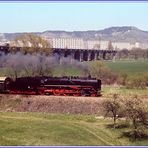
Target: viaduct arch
(77, 54)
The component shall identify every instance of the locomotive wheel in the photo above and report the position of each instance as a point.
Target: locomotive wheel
(85, 93)
(57, 93)
(93, 95)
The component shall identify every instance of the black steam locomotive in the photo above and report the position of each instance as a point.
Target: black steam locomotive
(64, 86)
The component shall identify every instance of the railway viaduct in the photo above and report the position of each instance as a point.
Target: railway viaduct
(77, 54)
(85, 54)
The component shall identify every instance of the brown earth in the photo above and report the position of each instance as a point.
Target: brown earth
(51, 104)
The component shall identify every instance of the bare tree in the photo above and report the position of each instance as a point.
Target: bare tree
(31, 43)
(112, 106)
(137, 111)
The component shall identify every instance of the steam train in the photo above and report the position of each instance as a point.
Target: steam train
(58, 86)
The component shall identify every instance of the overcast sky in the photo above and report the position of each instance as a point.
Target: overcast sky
(72, 16)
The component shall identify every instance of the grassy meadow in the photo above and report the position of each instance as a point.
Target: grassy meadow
(124, 91)
(67, 71)
(59, 129)
(128, 66)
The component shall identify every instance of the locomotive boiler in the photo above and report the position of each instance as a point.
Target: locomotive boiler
(45, 85)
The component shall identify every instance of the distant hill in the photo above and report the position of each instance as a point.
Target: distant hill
(117, 34)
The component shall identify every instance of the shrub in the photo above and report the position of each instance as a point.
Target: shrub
(99, 70)
(136, 111)
(138, 81)
(122, 78)
(112, 107)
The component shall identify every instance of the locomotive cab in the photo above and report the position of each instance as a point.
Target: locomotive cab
(2, 80)
(4, 84)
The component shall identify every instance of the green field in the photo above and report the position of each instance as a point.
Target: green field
(126, 66)
(50, 129)
(67, 71)
(130, 67)
(124, 91)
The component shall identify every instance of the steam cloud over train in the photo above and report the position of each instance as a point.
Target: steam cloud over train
(44, 85)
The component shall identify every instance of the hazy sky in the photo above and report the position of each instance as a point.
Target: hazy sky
(72, 16)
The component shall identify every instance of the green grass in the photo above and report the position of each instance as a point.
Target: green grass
(130, 67)
(123, 90)
(125, 66)
(51, 129)
(67, 71)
